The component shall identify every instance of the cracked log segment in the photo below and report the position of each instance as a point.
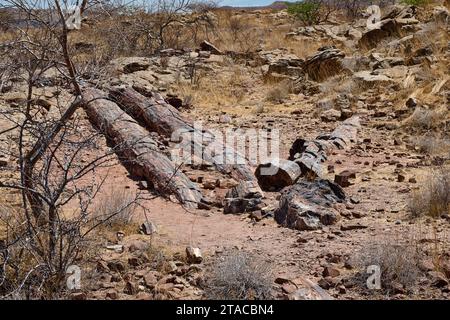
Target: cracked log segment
(159, 116)
(311, 155)
(306, 157)
(277, 174)
(137, 151)
(309, 205)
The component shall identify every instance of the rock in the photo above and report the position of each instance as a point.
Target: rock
(353, 226)
(131, 288)
(138, 260)
(3, 161)
(194, 255)
(327, 283)
(135, 66)
(324, 64)
(369, 79)
(426, 265)
(288, 288)
(116, 265)
(115, 247)
(112, 294)
(331, 115)
(144, 296)
(151, 278)
(209, 184)
(174, 101)
(207, 46)
(224, 118)
(343, 178)
(411, 103)
(438, 279)
(137, 245)
(245, 197)
(330, 271)
(391, 25)
(289, 66)
(277, 174)
(306, 205)
(148, 228)
(78, 296)
(307, 290)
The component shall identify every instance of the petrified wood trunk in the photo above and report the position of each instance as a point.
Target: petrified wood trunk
(311, 155)
(277, 174)
(308, 205)
(159, 116)
(138, 152)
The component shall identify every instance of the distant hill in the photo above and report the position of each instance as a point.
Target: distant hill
(277, 5)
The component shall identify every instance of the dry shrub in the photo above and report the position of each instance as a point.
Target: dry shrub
(425, 118)
(115, 207)
(433, 196)
(280, 92)
(239, 276)
(431, 144)
(398, 264)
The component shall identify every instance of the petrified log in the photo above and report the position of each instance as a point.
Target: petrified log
(159, 116)
(245, 197)
(308, 205)
(277, 174)
(312, 154)
(138, 152)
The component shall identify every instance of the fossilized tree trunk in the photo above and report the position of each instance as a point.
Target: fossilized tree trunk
(311, 155)
(138, 152)
(163, 118)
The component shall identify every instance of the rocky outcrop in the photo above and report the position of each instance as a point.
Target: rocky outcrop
(397, 21)
(325, 63)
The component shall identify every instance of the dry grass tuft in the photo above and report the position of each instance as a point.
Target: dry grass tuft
(239, 276)
(398, 264)
(116, 207)
(280, 92)
(433, 196)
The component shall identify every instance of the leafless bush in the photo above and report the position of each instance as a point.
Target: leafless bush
(398, 264)
(239, 275)
(433, 196)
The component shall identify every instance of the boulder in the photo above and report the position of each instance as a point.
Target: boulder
(308, 205)
(325, 63)
(148, 228)
(194, 255)
(245, 197)
(207, 46)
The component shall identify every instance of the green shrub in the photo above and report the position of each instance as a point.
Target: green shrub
(309, 12)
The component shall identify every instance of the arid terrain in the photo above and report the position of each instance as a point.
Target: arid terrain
(361, 117)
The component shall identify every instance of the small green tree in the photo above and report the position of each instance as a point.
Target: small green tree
(311, 12)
